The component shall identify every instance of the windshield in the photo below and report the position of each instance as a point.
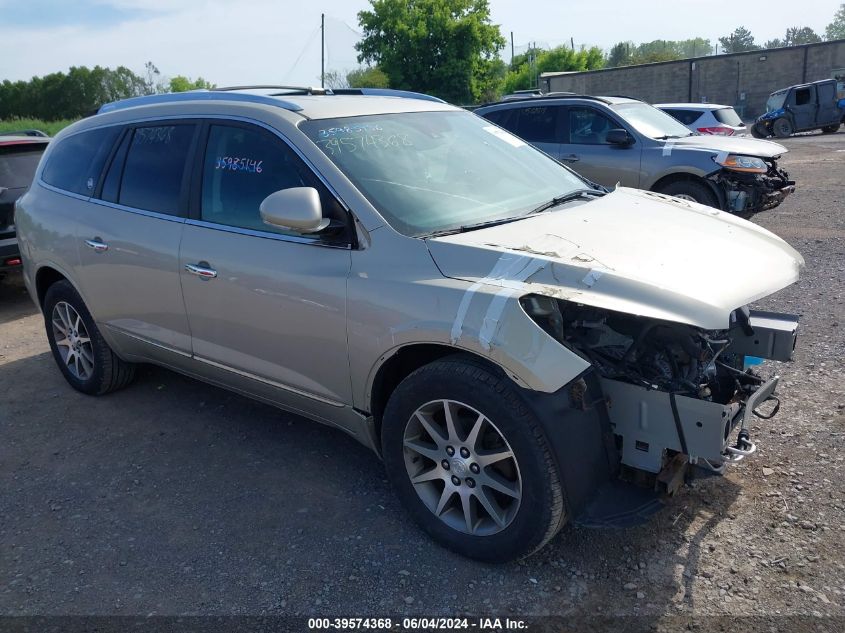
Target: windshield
(650, 121)
(428, 172)
(775, 101)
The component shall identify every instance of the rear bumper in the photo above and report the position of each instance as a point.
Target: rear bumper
(9, 253)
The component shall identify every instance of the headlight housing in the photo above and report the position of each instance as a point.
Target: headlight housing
(746, 164)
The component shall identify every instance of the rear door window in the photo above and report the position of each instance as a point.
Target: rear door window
(539, 124)
(154, 172)
(687, 117)
(76, 161)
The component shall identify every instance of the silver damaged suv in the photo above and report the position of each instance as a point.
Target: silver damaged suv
(520, 348)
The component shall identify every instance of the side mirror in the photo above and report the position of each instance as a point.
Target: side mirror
(296, 209)
(619, 137)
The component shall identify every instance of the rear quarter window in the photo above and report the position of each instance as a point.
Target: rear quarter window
(728, 116)
(76, 161)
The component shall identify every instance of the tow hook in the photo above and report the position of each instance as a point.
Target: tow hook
(744, 447)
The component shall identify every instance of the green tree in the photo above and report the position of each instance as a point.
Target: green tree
(369, 77)
(738, 41)
(798, 35)
(527, 67)
(620, 55)
(69, 95)
(446, 48)
(180, 83)
(695, 47)
(836, 29)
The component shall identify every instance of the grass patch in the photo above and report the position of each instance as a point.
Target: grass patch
(49, 127)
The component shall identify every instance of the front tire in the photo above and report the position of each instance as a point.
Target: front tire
(758, 130)
(782, 127)
(82, 354)
(470, 462)
(691, 190)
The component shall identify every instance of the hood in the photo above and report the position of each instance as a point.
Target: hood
(731, 145)
(631, 251)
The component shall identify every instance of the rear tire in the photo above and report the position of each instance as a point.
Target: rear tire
(82, 354)
(830, 129)
(417, 441)
(782, 127)
(691, 190)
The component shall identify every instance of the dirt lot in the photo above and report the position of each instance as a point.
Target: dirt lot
(173, 497)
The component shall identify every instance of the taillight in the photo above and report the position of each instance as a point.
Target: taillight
(719, 131)
(12, 261)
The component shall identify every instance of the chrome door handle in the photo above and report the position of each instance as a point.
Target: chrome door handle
(201, 270)
(97, 244)
(571, 158)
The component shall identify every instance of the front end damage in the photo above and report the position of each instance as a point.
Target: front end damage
(746, 193)
(676, 394)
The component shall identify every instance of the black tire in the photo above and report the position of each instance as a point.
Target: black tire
(692, 189)
(541, 511)
(758, 130)
(110, 373)
(830, 129)
(782, 127)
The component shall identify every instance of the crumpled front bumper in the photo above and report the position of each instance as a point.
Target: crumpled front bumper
(653, 426)
(747, 194)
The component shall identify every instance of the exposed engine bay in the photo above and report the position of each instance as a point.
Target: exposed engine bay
(674, 386)
(750, 193)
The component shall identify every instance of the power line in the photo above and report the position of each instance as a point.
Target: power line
(302, 52)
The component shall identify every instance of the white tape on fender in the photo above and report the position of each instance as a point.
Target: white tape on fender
(497, 304)
(667, 148)
(510, 269)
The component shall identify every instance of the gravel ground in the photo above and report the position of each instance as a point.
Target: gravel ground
(173, 497)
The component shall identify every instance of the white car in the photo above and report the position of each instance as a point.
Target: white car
(706, 118)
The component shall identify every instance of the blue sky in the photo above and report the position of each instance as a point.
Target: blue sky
(234, 42)
(37, 14)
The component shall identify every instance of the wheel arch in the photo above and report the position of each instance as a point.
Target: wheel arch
(45, 277)
(682, 176)
(401, 362)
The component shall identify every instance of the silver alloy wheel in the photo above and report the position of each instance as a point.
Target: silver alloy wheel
(72, 340)
(685, 196)
(462, 467)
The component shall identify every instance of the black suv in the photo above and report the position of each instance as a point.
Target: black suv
(19, 156)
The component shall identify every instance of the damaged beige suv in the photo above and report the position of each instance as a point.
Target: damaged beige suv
(520, 348)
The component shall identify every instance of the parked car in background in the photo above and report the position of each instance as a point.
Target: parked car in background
(706, 118)
(421, 279)
(801, 108)
(617, 140)
(19, 156)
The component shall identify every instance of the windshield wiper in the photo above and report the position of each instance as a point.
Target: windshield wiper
(578, 194)
(472, 227)
(666, 137)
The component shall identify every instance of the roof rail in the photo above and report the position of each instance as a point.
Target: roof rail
(199, 95)
(386, 92)
(547, 95)
(237, 93)
(305, 90)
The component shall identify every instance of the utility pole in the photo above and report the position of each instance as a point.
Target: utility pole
(512, 50)
(322, 50)
(572, 42)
